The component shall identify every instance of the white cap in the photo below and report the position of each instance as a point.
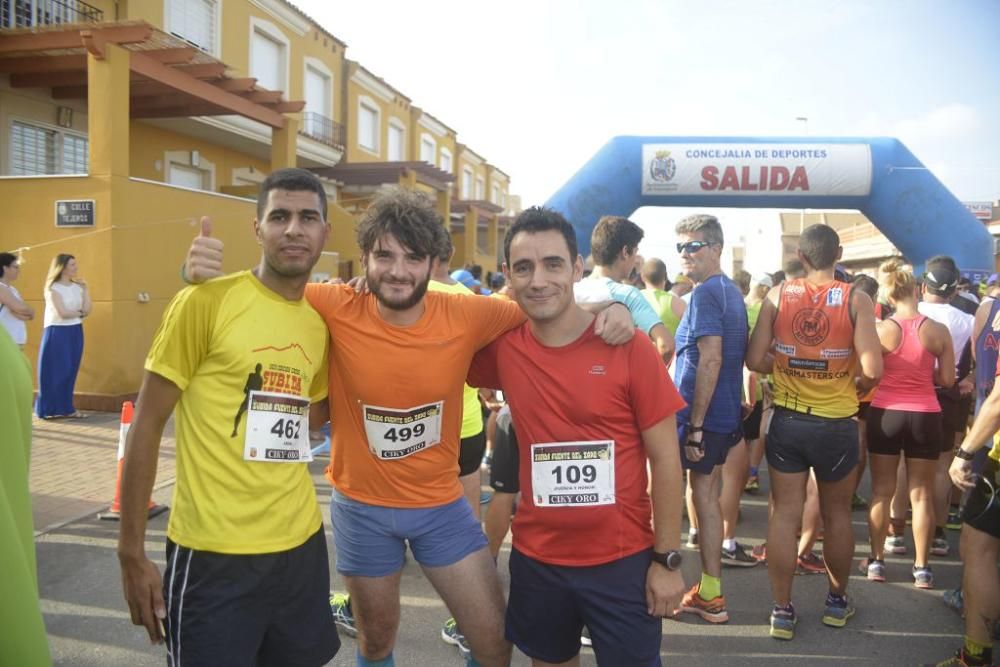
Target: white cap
(763, 279)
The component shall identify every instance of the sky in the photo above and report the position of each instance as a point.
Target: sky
(537, 87)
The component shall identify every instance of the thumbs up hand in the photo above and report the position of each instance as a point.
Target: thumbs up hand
(204, 257)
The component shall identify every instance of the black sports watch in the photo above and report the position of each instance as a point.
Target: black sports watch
(670, 560)
(964, 455)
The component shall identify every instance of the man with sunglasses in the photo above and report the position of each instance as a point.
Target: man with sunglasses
(711, 344)
(980, 540)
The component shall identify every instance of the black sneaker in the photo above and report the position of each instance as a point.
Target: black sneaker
(738, 557)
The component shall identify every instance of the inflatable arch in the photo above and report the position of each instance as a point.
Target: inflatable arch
(878, 176)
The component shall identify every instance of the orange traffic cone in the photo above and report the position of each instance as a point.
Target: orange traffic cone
(114, 512)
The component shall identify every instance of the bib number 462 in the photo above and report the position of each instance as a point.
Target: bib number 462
(404, 433)
(287, 428)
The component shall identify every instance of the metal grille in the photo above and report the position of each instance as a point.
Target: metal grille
(31, 13)
(321, 128)
(74, 154)
(39, 151)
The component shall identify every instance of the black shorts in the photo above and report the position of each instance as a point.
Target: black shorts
(982, 507)
(504, 469)
(227, 610)
(470, 453)
(863, 409)
(797, 442)
(751, 425)
(717, 446)
(550, 604)
(954, 417)
(916, 434)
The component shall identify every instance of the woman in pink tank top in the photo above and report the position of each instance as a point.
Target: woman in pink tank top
(905, 418)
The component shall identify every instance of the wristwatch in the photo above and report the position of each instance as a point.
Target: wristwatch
(964, 455)
(670, 560)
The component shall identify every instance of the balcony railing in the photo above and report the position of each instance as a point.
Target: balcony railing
(322, 129)
(31, 13)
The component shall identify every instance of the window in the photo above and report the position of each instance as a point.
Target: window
(36, 151)
(193, 21)
(268, 49)
(480, 187)
(319, 96)
(445, 160)
(496, 195)
(467, 183)
(189, 169)
(188, 177)
(428, 149)
(397, 141)
(368, 125)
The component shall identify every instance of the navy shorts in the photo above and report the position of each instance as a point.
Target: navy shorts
(797, 442)
(229, 610)
(717, 446)
(371, 540)
(550, 604)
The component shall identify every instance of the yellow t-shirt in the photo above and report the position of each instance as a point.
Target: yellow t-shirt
(472, 414)
(217, 342)
(662, 302)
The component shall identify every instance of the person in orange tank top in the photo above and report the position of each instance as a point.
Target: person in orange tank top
(811, 334)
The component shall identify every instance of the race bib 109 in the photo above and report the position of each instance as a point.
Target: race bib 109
(573, 474)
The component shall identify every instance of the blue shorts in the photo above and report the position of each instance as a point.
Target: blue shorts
(370, 540)
(550, 604)
(717, 446)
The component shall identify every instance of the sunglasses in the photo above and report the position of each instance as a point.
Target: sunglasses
(691, 247)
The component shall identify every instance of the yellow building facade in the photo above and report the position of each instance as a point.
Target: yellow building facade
(152, 113)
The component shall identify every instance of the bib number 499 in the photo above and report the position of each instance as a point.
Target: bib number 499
(287, 428)
(404, 433)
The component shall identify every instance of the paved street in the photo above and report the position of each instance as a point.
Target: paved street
(72, 476)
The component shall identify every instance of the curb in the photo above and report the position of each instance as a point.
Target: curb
(94, 509)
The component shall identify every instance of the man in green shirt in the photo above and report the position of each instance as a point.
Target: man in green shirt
(24, 641)
(667, 305)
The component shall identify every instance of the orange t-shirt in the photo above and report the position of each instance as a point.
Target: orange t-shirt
(396, 392)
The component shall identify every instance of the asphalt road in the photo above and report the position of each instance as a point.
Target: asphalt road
(896, 624)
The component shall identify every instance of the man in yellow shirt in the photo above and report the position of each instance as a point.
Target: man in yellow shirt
(247, 568)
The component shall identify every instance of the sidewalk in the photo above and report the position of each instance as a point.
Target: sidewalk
(74, 463)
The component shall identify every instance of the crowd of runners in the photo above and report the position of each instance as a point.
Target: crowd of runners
(595, 400)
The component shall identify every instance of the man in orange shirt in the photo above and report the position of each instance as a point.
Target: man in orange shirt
(811, 334)
(398, 361)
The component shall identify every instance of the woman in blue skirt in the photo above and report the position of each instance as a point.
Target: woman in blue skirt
(67, 302)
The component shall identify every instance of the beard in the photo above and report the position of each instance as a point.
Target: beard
(419, 290)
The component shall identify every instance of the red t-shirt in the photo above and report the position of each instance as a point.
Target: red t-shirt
(586, 391)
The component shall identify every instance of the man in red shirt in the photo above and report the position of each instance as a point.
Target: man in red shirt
(589, 418)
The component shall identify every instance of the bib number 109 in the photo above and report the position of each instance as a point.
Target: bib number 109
(404, 433)
(575, 474)
(287, 428)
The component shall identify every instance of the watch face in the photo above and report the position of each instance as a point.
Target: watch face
(674, 560)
